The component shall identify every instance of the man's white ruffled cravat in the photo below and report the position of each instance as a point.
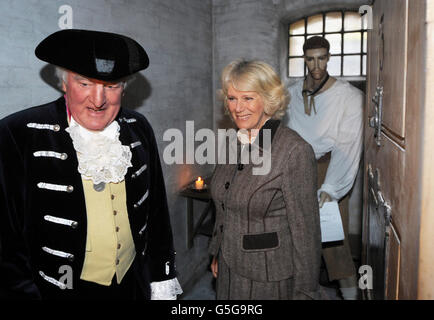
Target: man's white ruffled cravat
(101, 156)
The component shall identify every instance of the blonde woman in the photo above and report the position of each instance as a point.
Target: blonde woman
(266, 242)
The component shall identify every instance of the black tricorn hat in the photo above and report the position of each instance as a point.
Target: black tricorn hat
(94, 54)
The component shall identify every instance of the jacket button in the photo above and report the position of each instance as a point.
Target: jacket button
(223, 206)
(240, 166)
(71, 258)
(227, 184)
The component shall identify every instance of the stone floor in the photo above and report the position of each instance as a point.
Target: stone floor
(203, 289)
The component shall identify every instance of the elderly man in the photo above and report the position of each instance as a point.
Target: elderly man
(83, 209)
(328, 114)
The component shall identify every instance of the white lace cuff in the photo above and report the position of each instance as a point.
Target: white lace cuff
(165, 290)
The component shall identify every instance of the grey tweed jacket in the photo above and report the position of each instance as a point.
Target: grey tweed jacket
(267, 226)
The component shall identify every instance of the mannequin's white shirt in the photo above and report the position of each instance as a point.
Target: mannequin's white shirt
(337, 127)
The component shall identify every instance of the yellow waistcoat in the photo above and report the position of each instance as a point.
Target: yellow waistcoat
(109, 245)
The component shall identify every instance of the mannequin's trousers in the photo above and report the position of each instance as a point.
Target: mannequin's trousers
(337, 255)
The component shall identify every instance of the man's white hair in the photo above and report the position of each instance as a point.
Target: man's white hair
(62, 76)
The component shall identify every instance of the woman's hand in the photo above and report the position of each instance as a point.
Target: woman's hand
(214, 267)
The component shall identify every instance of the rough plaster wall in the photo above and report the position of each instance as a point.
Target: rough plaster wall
(257, 29)
(177, 35)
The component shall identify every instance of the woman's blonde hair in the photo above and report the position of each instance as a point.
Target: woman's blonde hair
(259, 77)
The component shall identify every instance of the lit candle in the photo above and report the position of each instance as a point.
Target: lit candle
(198, 183)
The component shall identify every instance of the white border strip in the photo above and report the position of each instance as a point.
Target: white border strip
(55, 187)
(135, 144)
(142, 199)
(53, 127)
(139, 172)
(58, 253)
(52, 154)
(66, 222)
(52, 280)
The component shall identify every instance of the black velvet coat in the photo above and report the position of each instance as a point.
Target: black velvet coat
(24, 229)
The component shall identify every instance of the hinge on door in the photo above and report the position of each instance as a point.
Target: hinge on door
(387, 209)
(376, 119)
(377, 195)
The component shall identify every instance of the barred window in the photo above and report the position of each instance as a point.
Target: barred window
(347, 34)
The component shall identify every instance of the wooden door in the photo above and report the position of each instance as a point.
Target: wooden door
(393, 147)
